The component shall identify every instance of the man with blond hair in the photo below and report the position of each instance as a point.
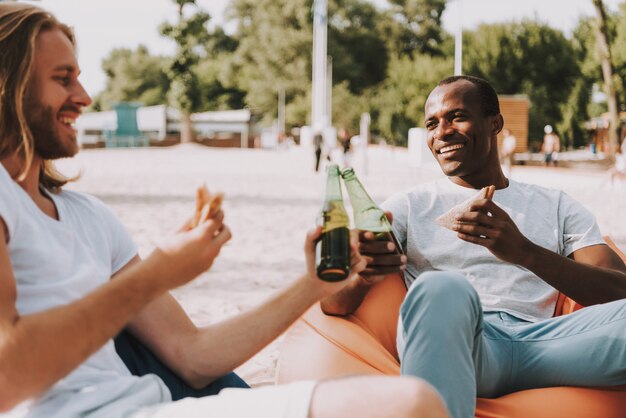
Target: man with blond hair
(71, 280)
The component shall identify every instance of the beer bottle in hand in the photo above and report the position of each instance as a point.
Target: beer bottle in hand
(333, 250)
(368, 216)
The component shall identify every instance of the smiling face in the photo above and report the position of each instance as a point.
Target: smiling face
(54, 98)
(463, 139)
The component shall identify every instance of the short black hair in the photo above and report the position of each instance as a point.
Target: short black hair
(486, 94)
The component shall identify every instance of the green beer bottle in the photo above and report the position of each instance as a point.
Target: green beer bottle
(368, 216)
(333, 250)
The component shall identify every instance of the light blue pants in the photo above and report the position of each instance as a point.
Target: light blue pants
(446, 339)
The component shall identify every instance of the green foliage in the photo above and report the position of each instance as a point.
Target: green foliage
(414, 26)
(133, 75)
(274, 52)
(360, 55)
(215, 87)
(398, 103)
(618, 51)
(529, 58)
(188, 33)
(384, 62)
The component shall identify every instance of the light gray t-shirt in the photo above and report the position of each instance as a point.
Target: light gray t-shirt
(549, 218)
(56, 262)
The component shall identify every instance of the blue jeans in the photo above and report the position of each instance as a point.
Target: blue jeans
(445, 338)
(140, 361)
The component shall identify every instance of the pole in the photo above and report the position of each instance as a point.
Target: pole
(320, 10)
(364, 136)
(458, 43)
(281, 111)
(328, 113)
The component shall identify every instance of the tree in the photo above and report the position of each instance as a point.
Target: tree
(525, 58)
(275, 43)
(398, 103)
(133, 75)
(189, 33)
(415, 27)
(607, 73)
(618, 52)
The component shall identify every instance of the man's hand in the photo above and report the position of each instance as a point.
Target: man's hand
(190, 252)
(357, 262)
(486, 224)
(383, 257)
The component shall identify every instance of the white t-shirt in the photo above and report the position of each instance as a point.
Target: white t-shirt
(56, 262)
(549, 218)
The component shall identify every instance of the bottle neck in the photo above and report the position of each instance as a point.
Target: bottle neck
(358, 196)
(333, 185)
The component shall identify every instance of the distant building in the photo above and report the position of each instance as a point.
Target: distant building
(161, 125)
(514, 110)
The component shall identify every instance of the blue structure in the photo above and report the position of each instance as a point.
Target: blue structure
(127, 133)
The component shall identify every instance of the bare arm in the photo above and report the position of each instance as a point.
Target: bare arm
(201, 355)
(594, 275)
(28, 365)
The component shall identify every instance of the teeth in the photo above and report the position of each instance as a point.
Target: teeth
(67, 121)
(450, 148)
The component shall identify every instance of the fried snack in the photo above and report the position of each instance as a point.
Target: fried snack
(211, 208)
(203, 197)
(448, 219)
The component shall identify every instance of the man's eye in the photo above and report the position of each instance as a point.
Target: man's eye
(430, 125)
(458, 116)
(64, 80)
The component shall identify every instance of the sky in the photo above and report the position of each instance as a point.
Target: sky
(101, 26)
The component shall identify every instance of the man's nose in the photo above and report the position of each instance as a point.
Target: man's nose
(80, 95)
(443, 129)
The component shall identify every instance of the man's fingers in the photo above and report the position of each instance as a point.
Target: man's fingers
(366, 236)
(484, 242)
(381, 271)
(223, 236)
(212, 226)
(488, 205)
(477, 218)
(476, 230)
(312, 237)
(385, 260)
(389, 216)
(377, 247)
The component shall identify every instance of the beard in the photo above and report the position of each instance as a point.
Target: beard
(42, 122)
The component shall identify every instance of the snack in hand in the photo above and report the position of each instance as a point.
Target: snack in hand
(207, 205)
(448, 219)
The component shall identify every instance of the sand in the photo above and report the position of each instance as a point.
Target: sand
(272, 197)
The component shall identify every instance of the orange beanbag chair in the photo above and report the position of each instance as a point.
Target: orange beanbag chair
(319, 346)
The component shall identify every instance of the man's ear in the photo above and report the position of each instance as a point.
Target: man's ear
(497, 123)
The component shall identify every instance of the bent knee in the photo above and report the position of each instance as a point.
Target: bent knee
(442, 287)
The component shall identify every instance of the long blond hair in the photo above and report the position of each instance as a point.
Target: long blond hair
(20, 25)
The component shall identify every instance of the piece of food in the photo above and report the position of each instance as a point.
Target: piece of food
(202, 199)
(448, 219)
(207, 205)
(212, 208)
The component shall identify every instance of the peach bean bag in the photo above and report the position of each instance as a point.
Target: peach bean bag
(319, 346)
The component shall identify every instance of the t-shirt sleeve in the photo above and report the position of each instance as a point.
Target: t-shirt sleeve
(121, 244)
(578, 224)
(8, 210)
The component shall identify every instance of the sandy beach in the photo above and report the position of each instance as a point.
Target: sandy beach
(272, 198)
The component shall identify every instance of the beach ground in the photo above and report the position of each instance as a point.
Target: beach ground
(272, 197)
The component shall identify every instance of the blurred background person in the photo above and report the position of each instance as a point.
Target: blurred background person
(551, 146)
